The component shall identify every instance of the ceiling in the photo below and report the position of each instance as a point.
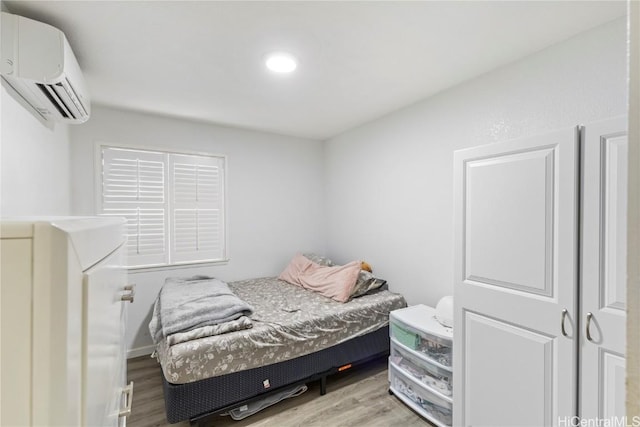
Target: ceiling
(203, 60)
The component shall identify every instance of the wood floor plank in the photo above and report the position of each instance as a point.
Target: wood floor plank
(357, 397)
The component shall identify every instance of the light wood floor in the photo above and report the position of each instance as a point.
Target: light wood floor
(357, 397)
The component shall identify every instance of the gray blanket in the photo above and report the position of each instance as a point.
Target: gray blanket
(241, 323)
(184, 304)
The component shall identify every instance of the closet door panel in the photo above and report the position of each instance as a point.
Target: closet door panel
(104, 359)
(515, 273)
(522, 399)
(509, 202)
(613, 215)
(612, 367)
(604, 231)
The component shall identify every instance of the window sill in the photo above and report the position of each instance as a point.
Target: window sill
(177, 266)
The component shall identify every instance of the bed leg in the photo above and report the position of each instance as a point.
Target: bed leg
(323, 385)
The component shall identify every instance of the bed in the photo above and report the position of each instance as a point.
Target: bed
(297, 336)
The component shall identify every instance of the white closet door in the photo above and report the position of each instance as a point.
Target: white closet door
(104, 359)
(604, 242)
(515, 273)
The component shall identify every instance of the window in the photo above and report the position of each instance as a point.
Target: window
(173, 204)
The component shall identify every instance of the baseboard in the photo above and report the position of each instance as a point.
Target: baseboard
(140, 351)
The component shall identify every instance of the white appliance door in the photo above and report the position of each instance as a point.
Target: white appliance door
(604, 270)
(515, 273)
(104, 359)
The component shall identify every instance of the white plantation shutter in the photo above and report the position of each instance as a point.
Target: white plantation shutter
(134, 187)
(197, 203)
(173, 203)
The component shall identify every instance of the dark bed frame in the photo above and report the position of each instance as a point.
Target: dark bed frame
(213, 396)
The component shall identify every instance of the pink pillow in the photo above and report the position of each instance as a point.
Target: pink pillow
(336, 282)
(296, 267)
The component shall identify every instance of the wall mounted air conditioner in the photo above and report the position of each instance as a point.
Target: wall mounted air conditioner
(39, 65)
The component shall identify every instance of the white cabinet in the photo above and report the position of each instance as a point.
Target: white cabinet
(63, 314)
(539, 278)
(420, 372)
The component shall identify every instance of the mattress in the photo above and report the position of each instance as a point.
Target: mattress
(288, 322)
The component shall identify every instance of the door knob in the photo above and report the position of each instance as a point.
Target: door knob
(129, 294)
(588, 327)
(565, 312)
(128, 394)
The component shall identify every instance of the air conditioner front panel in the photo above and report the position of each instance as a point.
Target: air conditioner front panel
(40, 66)
(39, 52)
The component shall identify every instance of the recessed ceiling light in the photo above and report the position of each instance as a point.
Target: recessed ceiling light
(281, 62)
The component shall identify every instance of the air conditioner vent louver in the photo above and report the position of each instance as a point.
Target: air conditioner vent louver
(38, 64)
(48, 91)
(64, 99)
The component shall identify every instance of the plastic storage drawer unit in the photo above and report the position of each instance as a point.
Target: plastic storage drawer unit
(420, 371)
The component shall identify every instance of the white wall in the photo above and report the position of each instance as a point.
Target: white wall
(386, 185)
(389, 183)
(274, 188)
(34, 163)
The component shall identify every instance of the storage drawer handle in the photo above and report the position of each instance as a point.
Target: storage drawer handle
(564, 316)
(128, 395)
(589, 316)
(130, 293)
